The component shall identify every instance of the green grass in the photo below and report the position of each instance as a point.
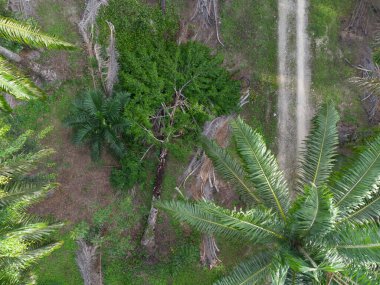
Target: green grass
(39, 114)
(53, 16)
(330, 72)
(249, 31)
(60, 267)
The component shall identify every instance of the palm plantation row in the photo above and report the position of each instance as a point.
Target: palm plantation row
(325, 231)
(24, 238)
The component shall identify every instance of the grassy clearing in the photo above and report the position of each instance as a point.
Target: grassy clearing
(249, 31)
(60, 268)
(330, 72)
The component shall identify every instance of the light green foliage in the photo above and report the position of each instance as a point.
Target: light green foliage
(23, 238)
(109, 230)
(60, 267)
(327, 233)
(330, 71)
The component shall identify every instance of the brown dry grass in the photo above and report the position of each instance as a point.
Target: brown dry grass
(84, 186)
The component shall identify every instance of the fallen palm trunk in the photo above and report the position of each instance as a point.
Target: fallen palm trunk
(89, 263)
(10, 54)
(206, 183)
(148, 240)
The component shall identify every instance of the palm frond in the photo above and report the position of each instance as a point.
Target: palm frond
(315, 213)
(25, 198)
(355, 276)
(279, 273)
(4, 104)
(370, 84)
(318, 157)
(366, 212)
(26, 34)
(15, 145)
(230, 169)
(359, 181)
(255, 226)
(23, 164)
(32, 233)
(253, 271)
(262, 167)
(30, 257)
(360, 245)
(13, 83)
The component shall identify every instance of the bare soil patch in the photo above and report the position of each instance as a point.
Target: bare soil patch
(84, 185)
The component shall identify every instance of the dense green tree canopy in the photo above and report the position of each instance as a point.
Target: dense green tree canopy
(153, 66)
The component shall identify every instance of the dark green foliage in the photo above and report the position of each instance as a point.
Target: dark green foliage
(99, 121)
(328, 235)
(154, 66)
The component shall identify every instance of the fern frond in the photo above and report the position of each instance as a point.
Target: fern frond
(359, 181)
(320, 149)
(230, 170)
(26, 34)
(255, 270)
(262, 167)
(255, 226)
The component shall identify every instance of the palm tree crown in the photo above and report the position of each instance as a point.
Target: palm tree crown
(100, 121)
(327, 235)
